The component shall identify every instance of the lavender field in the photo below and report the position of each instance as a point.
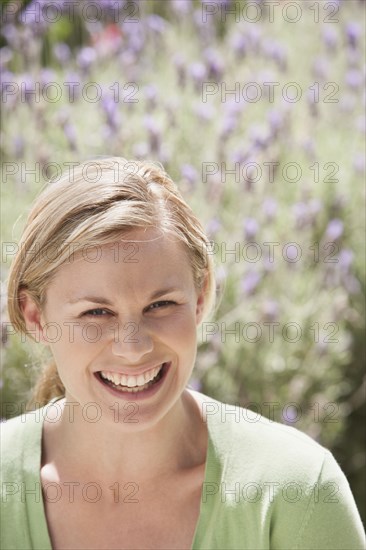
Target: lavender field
(257, 111)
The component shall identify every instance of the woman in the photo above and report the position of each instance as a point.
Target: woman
(114, 276)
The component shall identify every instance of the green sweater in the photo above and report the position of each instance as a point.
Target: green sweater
(266, 486)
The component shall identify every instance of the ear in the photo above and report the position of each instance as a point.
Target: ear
(32, 316)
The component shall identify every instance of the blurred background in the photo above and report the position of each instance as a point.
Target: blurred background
(256, 110)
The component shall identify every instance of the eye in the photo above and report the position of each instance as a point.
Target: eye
(91, 313)
(164, 302)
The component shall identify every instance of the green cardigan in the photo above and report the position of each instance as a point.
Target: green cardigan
(266, 486)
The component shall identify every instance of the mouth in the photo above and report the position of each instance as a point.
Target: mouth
(134, 389)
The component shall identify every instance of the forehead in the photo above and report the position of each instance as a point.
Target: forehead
(137, 261)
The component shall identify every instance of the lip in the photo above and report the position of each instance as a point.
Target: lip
(134, 371)
(138, 396)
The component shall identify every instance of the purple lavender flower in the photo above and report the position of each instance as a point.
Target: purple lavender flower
(212, 227)
(150, 92)
(315, 206)
(221, 3)
(334, 229)
(85, 58)
(275, 119)
(180, 66)
(107, 4)
(352, 285)
(354, 78)
(313, 105)
(18, 146)
(153, 133)
(221, 273)
(321, 68)
(309, 147)
(165, 154)
(204, 111)
(240, 156)
(250, 173)
(250, 226)
(345, 257)
(28, 87)
(270, 310)
(7, 79)
(141, 150)
(156, 23)
(347, 103)
(73, 83)
(110, 109)
(198, 72)
(278, 53)
(63, 118)
(189, 173)
(267, 47)
(338, 203)
(292, 254)
(239, 44)
(353, 33)
(61, 52)
(181, 7)
(353, 58)
(254, 35)
(39, 14)
(260, 135)
(135, 37)
(360, 124)
(11, 35)
(250, 281)
(233, 108)
(268, 262)
(359, 163)
(269, 208)
(290, 415)
(70, 134)
(32, 15)
(300, 211)
(47, 76)
(228, 126)
(214, 63)
(330, 37)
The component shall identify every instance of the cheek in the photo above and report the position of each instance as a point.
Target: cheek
(180, 335)
(85, 333)
(73, 341)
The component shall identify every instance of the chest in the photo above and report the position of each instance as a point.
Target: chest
(122, 515)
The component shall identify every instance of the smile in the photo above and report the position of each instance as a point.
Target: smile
(133, 384)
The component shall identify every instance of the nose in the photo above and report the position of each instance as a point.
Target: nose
(131, 340)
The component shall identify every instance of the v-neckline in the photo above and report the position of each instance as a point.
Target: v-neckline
(203, 506)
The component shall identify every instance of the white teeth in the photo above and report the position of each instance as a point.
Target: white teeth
(107, 376)
(131, 381)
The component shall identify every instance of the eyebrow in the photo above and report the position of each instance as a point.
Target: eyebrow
(101, 300)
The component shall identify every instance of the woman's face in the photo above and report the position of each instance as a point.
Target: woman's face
(102, 315)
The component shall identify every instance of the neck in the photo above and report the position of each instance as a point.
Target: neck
(101, 450)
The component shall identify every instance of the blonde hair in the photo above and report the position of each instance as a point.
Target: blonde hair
(91, 205)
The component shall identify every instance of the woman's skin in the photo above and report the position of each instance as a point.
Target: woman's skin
(169, 436)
